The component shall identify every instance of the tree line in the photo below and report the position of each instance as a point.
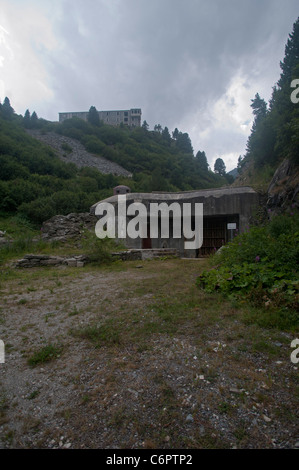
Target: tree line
(275, 130)
(34, 182)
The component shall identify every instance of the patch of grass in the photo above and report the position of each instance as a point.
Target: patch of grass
(33, 395)
(45, 354)
(225, 408)
(99, 334)
(241, 432)
(74, 312)
(66, 147)
(280, 319)
(264, 346)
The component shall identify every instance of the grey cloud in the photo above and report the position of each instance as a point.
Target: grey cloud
(173, 58)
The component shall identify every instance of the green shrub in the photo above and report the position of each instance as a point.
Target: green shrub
(99, 250)
(45, 354)
(261, 266)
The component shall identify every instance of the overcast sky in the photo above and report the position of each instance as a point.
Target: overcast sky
(190, 64)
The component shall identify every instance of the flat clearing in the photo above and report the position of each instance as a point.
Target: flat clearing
(134, 356)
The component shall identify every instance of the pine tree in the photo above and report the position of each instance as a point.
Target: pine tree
(219, 167)
(93, 116)
(274, 134)
(158, 128)
(183, 143)
(202, 161)
(145, 125)
(27, 119)
(166, 135)
(34, 120)
(175, 133)
(7, 110)
(259, 107)
(291, 59)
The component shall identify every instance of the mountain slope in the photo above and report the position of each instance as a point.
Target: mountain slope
(72, 151)
(38, 181)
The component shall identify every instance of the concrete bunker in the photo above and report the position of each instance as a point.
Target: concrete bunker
(225, 212)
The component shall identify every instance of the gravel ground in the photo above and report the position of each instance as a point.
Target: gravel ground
(208, 382)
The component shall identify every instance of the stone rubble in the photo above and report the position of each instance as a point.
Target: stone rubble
(63, 227)
(79, 156)
(33, 261)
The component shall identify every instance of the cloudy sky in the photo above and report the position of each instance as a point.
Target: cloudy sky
(190, 64)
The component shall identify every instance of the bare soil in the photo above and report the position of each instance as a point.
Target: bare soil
(144, 360)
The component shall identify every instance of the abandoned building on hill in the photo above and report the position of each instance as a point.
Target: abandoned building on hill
(129, 117)
(226, 211)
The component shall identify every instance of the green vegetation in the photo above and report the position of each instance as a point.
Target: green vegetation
(260, 266)
(99, 250)
(274, 134)
(45, 354)
(36, 184)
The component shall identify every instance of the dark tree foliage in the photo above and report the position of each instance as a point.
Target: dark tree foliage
(27, 119)
(291, 58)
(145, 126)
(166, 135)
(219, 167)
(183, 143)
(275, 131)
(34, 182)
(6, 110)
(202, 161)
(93, 116)
(34, 121)
(175, 133)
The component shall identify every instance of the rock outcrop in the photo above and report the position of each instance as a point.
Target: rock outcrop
(65, 227)
(283, 190)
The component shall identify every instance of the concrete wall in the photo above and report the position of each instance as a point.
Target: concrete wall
(230, 205)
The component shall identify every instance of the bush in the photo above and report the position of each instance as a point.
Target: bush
(45, 354)
(98, 250)
(39, 210)
(260, 266)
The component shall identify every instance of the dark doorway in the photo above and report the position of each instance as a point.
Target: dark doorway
(147, 242)
(214, 235)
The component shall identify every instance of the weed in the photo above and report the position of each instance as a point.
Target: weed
(224, 407)
(45, 354)
(74, 312)
(106, 333)
(33, 395)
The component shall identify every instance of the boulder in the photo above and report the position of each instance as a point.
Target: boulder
(65, 227)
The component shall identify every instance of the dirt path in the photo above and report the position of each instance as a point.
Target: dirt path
(141, 359)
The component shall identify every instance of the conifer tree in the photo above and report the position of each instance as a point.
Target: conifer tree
(93, 116)
(219, 167)
(202, 160)
(291, 58)
(27, 119)
(7, 110)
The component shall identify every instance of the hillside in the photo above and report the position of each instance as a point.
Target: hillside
(71, 151)
(157, 161)
(48, 168)
(271, 162)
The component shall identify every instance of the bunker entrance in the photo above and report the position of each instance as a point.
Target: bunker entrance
(217, 231)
